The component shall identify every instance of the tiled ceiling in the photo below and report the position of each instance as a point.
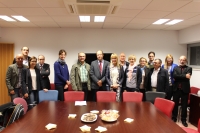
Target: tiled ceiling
(132, 14)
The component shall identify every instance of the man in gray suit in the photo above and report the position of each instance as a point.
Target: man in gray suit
(13, 77)
(97, 74)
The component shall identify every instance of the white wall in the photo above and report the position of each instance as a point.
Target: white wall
(188, 36)
(49, 41)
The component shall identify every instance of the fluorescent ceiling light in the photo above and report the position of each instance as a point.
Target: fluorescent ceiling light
(84, 18)
(99, 18)
(161, 21)
(175, 21)
(21, 18)
(6, 18)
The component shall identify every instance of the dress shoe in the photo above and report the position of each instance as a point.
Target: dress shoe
(184, 123)
(174, 119)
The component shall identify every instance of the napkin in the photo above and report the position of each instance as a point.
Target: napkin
(85, 128)
(72, 116)
(101, 129)
(51, 126)
(80, 103)
(129, 120)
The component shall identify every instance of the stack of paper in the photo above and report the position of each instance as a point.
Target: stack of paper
(80, 103)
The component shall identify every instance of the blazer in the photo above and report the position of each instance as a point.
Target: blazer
(171, 72)
(26, 75)
(14, 60)
(121, 76)
(44, 73)
(124, 80)
(96, 75)
(75, 76)
(12, 77)
(162, 80)
(180, 78)
(138, 77)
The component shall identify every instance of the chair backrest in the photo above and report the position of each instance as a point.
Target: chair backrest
(164, 105)
(22, 102)
(52, 86)
(132, 96)
(16, 114)
(194, 90)
(106, 96)
(151, 96)
(71, 96)
(50, 95)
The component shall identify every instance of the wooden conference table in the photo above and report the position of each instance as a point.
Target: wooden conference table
(147, 119)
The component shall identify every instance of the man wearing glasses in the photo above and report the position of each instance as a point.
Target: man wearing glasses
(44, 71)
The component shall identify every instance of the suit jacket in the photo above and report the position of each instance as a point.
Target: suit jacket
(96, 75)
(162, 80)
(75, 76)
(14, 60)
(26, 75)
(44, 73)
(121, 76)
(124, 80)
(12, 77)
(180, 78)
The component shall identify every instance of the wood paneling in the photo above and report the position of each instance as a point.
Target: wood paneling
(6, 58)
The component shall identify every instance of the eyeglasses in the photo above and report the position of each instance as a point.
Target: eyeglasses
(41, 59)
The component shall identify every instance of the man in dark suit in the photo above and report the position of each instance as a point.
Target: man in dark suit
(13, 77)
(25, 51)
(44, 71)
(151, 56)
(158, 78)
(181, 89)
(97, 74)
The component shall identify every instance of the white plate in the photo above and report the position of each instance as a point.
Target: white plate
(94, 111)
(109, 121)
(82, 117)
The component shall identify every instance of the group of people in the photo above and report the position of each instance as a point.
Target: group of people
(25, 77)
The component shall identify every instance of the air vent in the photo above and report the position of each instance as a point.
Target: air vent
(92, 7)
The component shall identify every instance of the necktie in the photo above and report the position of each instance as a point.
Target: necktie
(100, 66)
(40, 67)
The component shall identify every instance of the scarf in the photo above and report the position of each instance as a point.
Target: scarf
(62, 62)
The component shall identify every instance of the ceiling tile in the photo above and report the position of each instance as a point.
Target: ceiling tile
(135, 4)
(2, 5)
(156, 27)
(91, 25)
(152, 14)
(51, 3)
(195, 18)
(114, 25)
(56, 11)
(143, 21)
(126, 13)
(135, 26)
(29, 11)
(7, 11)
(187, 22)
(25, 24)
(46, 24)
(166, 5)
(117, 20)
(180, 15)
(180, 27)
(70, 25)
(7, 24)
(20, 3)
(39, 18)
(66, 18)
(191, 7)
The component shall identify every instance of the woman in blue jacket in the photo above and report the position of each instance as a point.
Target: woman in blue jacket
(169, 65)
(61, 73)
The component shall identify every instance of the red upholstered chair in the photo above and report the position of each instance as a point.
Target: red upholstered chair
(70, 88)
(106, 96)
(194, 90)
(164, 105)
(21, 101)
(132, 97)
(52, 86)
(71, 96)
(189, 130)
